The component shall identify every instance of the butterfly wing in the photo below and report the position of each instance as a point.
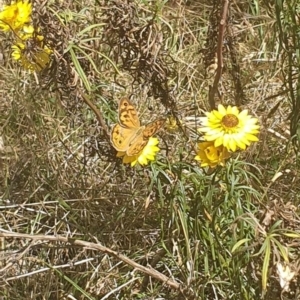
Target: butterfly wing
(153, 127)
(142, 136)
(128, 116)
(137, 145)
(122, 137)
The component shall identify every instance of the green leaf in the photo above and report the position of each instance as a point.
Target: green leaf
(79, 69)
(292, 235)
(266, 264)
(282, 250)
(238, 244)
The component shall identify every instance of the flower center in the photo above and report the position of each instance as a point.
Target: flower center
(230, 121)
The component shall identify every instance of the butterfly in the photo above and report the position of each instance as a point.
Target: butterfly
(129, 135)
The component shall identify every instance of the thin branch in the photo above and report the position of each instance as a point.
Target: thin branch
(214, 88)
(93, 246)
(96, 112)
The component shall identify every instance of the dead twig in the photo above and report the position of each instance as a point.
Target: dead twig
(214, 88)
(95, 246)
(96, 112)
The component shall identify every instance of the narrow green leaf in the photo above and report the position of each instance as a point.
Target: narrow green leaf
(282, 250)
(82, 32)
(266, 264)
(79, 69)
(262, 248)
(238, 244)
(292, 235)
(101, 54)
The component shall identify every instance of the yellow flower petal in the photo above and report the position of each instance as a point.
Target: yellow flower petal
(15, 16)
(143, 158)
(222, 110)
(29, 29)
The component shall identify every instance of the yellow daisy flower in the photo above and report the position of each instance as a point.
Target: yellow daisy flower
(211, 156)
(144, 157)
(230, 128)
(15, 16)
(31, 53)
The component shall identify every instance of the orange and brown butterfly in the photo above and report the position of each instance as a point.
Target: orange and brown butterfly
(129, 135)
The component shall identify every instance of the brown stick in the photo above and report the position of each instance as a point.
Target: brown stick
(214, 88)
(93, 246)
(96, 112)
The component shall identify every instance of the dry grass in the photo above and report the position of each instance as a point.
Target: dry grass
(59, 176)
